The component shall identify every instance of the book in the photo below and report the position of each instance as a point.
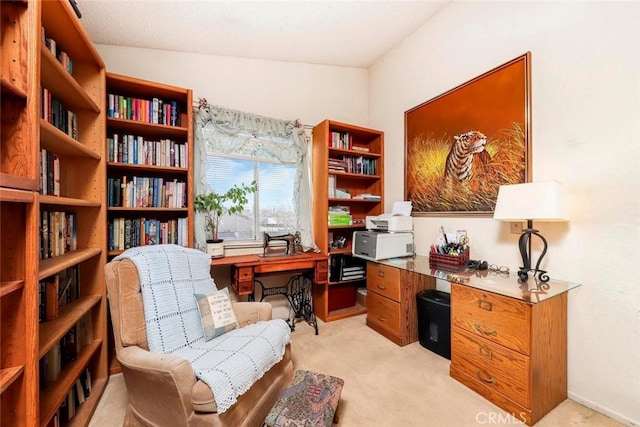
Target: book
(52, 285)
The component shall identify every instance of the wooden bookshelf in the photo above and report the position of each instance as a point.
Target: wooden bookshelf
(141, 125)
(131, 120)
(27, 64)
(362, 152)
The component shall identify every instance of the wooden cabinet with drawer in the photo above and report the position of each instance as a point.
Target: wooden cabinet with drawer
(391, 301)
(512, 352)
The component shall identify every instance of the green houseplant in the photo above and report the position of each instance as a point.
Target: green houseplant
(215, 206)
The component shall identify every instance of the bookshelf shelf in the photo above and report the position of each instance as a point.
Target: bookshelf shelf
(53, 139)
(63, 85)
(51, 266)
(150, 168)
(338, 146)
(52, 331)
(142, 210)
(11, 286)
(8, 376)
(346, 312)
(52, 396)
(67, 201)
(17, 196)
(149, 129)
(10, 89)
(354, 153)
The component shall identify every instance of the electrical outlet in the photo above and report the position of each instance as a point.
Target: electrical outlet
(516, 228)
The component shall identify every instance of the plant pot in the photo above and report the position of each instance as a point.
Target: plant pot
(215, 248)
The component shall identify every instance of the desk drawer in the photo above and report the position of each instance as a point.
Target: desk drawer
(243, 280)
(322, 271)
(383, 312)
(383, 280)
(503, 320)
(503, 370)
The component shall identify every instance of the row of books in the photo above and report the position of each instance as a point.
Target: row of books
(60, 54)
(65, 351)
(146, 192)
(354, 164)
(57, 291)
(77, 395)
(341, 140)
(155, 110)
(49, 173)
(55, 113)
(125, 233)
(58, 233)
(135, 150)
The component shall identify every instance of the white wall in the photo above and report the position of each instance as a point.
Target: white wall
(586, 134)
(275, 89)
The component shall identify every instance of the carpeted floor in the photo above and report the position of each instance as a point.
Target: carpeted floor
(385, 385)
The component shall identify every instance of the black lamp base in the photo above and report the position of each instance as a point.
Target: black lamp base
(524, 245)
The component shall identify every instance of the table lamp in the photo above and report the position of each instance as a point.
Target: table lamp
(539, 201)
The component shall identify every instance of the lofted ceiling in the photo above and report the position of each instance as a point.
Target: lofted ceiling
(342, 33)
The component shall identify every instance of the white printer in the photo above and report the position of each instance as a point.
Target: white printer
(388, 235)
(394, 223)
(377, 245)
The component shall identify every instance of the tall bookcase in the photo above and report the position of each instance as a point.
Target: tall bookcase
(150, 163)
(348, 175)
(31, 122)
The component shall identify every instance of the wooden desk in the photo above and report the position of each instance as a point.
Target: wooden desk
(245, 267)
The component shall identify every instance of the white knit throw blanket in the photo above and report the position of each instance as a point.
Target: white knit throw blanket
(229, 364)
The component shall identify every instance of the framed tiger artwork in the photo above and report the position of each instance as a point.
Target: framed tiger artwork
(461, 146)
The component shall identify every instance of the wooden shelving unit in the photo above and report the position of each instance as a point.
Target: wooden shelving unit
(366, 146)
(180, 133)
(27, 64)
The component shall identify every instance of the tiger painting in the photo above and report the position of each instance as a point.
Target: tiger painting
(459, 163)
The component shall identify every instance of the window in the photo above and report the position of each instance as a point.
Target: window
(271, 208)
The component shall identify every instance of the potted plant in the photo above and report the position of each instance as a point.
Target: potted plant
(215, 206)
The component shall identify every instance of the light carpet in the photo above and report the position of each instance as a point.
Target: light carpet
(384, 384)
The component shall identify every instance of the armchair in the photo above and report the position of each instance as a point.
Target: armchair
(163, 388)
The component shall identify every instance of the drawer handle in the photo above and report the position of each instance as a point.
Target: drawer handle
(382, 319)
(485, 351)
(485, 305)
(380, 273)
(484, 331)
(489, 380)
(382, 287)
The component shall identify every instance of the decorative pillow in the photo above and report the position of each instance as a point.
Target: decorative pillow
(216, 313)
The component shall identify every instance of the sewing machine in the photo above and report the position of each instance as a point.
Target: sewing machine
(292, 241)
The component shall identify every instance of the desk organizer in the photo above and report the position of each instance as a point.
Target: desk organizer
(449, 259)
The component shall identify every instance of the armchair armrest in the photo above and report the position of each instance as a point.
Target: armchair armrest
(252, 312)
(153, 377)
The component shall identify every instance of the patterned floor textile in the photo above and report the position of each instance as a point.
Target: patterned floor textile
(310, 401)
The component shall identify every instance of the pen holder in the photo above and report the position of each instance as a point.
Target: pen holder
(461, 259)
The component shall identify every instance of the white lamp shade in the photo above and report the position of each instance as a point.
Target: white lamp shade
(540, 201)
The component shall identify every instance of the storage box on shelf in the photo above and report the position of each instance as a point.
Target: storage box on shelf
(150, 169)
(348, 173)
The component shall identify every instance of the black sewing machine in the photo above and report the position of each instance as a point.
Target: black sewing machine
(292, 240)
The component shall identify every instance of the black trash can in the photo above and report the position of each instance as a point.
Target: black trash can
(434, 321)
